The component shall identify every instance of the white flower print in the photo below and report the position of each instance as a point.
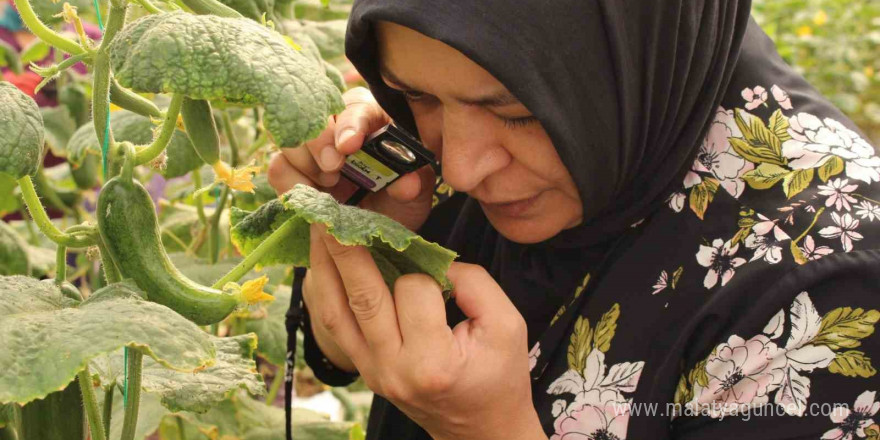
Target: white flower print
(767, 246)
(662, 283)
(853, 422)
(717, 156)
(676, 201)
(845, 230)
(781, 96)
(534, 353)
(867, 210)
(741, 374)
(815, 141)
(813, 252)
(801, 355)
(720, 261)
(599, 407)
(754, 97)
(838, 191)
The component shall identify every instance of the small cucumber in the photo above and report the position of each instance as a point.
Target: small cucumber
(198, 119)
(129, 227)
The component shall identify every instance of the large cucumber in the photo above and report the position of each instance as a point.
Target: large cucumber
(198, 119)
(129, 227)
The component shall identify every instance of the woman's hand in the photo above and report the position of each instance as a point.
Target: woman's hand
(318, 163)
(470, 382)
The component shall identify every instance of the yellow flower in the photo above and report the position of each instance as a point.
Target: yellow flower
(68, 13)
(180, 125)
(820, 18)
(869, 72)
(252, 291)
(238, 179)
(804, 31)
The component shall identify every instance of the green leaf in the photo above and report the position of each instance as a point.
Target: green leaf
(765, 176)
(396, 249)
(579, 347)
(271, 331)
(21, 154)
(843, 327)
(59, 127)
(236, 59)
(852, 363)
(328, 36)
(242, 417)
(34, 52)
(831, 168)
(42, 330)
(63, 408)
(197, 391)
(605, 329)
(9, 202)
(137, 129)
(797, 181)
(13, 252)
(779, 126)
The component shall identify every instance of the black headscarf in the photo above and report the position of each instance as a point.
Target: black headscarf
(624, 88)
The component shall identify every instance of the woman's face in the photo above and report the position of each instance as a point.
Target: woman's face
(490, 145)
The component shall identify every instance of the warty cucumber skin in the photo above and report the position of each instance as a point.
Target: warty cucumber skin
(198, 119)
(130, 229)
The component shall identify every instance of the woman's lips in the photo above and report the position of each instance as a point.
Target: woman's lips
(517, 208)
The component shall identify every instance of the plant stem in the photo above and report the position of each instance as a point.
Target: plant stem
(214, 233)
(43, 32)
(199, 199)
(867, 199)
(91, 404)
(101, 100)
(148, 6)
(262, 139)
(108, 407)
(29, 194)
(133, 393)
(180, 429)
(254, 257)
(133, 102)
(110, 271)
(32, 233)
(168, 126)
(276, 384)
(230, 136)
(60, 264)
(45, 189)
(344, 397)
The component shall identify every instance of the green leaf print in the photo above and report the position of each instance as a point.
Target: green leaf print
(605, 329)
(765, 176)
(797, 181)
(702, 195)
(580, 345)
(843, 327)
(852, 363)
(831, 168)
(779, 126)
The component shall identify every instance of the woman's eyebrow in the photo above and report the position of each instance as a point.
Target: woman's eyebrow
(500, 98)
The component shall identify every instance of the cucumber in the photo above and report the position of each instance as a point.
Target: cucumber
(198, 119)
(129, 227)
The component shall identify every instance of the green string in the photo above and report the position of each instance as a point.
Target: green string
(104, 147)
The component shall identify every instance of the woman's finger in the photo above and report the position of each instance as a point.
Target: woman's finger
(421, 311)
(368, 296)
(333, 312)
(361, 117)
(283, 176)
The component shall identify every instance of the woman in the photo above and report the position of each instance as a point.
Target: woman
(669, 233)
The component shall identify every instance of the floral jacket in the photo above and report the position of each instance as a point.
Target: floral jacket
(745, 308)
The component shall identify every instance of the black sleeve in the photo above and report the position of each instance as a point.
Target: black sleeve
(324, 370)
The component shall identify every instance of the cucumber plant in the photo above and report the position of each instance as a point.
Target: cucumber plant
(142, 300)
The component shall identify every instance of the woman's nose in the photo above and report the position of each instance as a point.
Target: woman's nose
(472, 151)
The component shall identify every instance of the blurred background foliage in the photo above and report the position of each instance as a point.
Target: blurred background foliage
(835, 44)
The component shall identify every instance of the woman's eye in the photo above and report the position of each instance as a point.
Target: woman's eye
(519, 122)
(412, 96)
